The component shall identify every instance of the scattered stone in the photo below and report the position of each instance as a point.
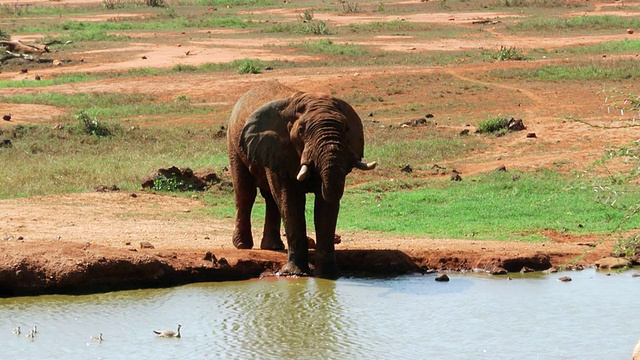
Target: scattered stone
(38, 78)
(146, 245)
(416, 122)
(531, 135)
(501, 168)
(144, 57)
(407, 168)
(635, 275)
(515, 125)
(133, 195)
(612, 263)
(629, 31)
(515, 177)
(438, 170)
(24, 71)
(370, 114)
(526, 270)
(564, 278)
(429, 116)
(223, 262)
(464, 132)
(442, 278)
(268, 67)
(550, 270)
(455, 176)
(5, 143)
(105, 188)
(128, 243)
(497, 271)
(6, 117)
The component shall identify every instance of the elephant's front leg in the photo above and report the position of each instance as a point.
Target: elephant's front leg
(291, 200)
(245, 192)
(325, 218)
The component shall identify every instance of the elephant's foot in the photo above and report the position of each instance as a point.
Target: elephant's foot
(271, 244)
(326, 269)
(242, 242)
(291, 269)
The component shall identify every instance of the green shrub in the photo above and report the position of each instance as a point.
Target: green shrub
(4, 35)
(91, 126)
(508, 53)
(493, 125)
(248, 66)
(163, 183)
(315, 27)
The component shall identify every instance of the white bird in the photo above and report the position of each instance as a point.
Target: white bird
(168, 333)
(97, 338)
(17, 330)
(35, 330)
(31, 334)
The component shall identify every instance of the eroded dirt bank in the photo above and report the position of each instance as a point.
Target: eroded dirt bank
(91, 242)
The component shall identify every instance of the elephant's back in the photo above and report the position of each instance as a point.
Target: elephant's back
(256, 97)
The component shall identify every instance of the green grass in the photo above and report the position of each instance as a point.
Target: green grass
(610, 71)
(65, 78)
(590, 22)
(107, 105)
(43, 160)
(329, 47)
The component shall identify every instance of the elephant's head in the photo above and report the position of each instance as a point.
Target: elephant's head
(306, 136)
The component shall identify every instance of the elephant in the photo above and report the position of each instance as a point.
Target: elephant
(288, 143)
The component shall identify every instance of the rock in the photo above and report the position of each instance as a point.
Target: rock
(515, 125)
(146, 245)
(455, 176)
(629, 31)
(497, 271)
(429, 116)
(635, 275)
(464, 132)
(442, 278)
(564, 278)
(612, 263)
(526, 270)
(6, 117)
(199, 181)
(407, 168)
(551, 270)
(531, 135)
(501, 168)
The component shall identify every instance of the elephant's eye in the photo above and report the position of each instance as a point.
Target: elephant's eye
(301, 130)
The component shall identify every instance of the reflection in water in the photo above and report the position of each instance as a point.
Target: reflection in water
(287, 317)
(470, 317)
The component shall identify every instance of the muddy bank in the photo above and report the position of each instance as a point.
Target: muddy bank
(77, 268)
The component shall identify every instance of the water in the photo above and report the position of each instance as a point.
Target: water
(413, 317)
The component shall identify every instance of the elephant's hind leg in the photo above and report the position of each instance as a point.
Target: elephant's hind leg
(271, 236)
(244, 186)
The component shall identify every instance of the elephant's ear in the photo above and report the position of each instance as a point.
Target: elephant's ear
(265, 137)
(355, 133)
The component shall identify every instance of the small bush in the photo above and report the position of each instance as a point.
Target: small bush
(628, 247)
(348, 7)
(508, 53)
(163, 183)
(248, 66)
(154, 3)
(315, 27)
(89, 126)
(307, 15)
(4, 35)
(497, 125)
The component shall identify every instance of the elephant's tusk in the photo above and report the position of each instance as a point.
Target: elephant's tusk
(366, 166)
(302, 174)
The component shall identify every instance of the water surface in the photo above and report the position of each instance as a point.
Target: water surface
(470, 317)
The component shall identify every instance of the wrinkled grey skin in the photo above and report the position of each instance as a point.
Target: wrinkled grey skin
(287, 144)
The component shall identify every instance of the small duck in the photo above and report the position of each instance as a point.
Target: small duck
(16, 330)
(35, 330)
(31, 334)
(168, 333)
(97, 338)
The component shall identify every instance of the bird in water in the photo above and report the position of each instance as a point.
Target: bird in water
(168, 333)
(17, 330)
(35, 330)
(97, 338)
(31, 334)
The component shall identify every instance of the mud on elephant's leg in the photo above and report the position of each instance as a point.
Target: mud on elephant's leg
(292, 202)
(271, 235)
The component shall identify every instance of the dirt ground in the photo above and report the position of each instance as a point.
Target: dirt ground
(92, 241)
